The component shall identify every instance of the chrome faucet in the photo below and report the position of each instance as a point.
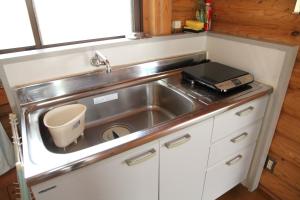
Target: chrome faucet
(99, 59)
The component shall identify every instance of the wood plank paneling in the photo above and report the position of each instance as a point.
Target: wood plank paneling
(295, 79)
(3, 98)
(286, 149)
(183, 10)
(289, 127)
(287, 172)
(283, 190)
(292, 103)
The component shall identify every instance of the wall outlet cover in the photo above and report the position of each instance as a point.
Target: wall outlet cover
(270, 164)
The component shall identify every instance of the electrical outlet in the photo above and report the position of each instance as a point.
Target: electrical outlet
(270, 164)
(176, 24)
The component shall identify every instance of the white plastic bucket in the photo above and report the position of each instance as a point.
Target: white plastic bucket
(66, 123)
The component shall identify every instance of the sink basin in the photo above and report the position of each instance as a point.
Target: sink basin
(116, 114)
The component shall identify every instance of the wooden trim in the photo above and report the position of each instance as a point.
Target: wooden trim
(157, 17)
(3, 51)
(82, 41)
(34, 24)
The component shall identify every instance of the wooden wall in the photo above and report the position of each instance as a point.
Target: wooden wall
(270, 20)
(183, 10)
(4, 111)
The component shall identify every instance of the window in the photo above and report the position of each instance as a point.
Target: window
(66, 21)
(297, 7)
(15, 25)
(60, 22)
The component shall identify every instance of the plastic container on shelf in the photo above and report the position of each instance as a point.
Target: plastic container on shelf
(66, 123)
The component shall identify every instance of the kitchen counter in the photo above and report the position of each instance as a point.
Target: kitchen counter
(41, 165)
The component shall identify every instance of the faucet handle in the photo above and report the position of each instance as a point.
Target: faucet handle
(99, 59)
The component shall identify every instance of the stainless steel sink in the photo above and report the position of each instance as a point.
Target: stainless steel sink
(126, 111)
(137, 110)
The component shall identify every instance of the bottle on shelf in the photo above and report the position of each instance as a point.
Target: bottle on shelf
(208, 15)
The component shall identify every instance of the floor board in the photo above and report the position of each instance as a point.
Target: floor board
(241, 193)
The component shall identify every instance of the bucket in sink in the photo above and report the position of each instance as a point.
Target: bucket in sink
(66, 123)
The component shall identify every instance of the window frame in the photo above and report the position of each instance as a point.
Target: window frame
(137, 21)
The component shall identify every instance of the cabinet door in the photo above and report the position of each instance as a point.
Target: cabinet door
(131, 175)
(183, 160)
(227, 173)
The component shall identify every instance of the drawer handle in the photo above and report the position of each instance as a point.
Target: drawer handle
(178, 142)
(141, 158)
(234, 160)
(245, 111)
(239, 138)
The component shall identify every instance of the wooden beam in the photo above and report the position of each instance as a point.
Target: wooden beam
(157, 17)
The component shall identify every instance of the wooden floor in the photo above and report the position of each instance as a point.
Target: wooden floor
(241, 193)
(8, 185)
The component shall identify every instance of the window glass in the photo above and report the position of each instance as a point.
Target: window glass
(63, 21)
(15, 25)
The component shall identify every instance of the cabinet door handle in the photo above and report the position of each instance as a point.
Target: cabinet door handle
(245, 111)
(239, 138)
(141, 158)
(234, 160)
(178, 142)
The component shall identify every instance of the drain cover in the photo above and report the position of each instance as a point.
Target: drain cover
(115, 132)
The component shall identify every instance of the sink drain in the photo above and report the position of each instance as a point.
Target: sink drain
(115, 132)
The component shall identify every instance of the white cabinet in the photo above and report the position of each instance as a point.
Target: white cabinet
(236, 118)
(204, 160)
(227, 173)
(132, 175)
(183, 160)
(233, 141)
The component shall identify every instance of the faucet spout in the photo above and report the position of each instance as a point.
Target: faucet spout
(99, 59)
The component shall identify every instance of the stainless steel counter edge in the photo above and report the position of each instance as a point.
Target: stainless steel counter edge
(145, 136)
(97, 80)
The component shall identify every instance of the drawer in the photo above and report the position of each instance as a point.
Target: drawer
(239, 117)
(235, 141)
(228, 173)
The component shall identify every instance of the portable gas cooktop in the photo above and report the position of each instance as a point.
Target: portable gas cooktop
(217, 76)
